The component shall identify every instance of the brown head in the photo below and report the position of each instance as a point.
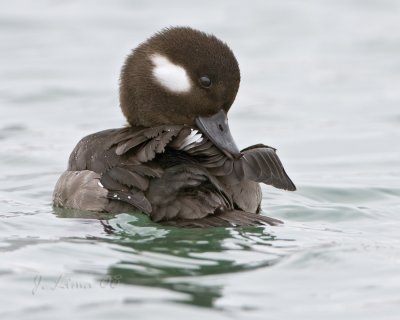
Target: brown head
(181, 76)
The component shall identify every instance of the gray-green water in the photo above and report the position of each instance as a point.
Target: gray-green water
(320, 81)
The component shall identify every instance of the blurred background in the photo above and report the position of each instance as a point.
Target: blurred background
(320, 82)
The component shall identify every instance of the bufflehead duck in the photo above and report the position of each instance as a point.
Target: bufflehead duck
(176, 161)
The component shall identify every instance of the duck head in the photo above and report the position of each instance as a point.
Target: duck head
(182, 76)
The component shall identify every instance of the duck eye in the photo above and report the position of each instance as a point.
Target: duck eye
(205, 81)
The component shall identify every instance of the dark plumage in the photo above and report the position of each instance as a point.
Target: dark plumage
(200, 54)
(177, 162)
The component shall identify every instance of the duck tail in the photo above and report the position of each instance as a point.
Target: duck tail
(234, 218)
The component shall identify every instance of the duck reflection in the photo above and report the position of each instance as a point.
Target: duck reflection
(177, 258)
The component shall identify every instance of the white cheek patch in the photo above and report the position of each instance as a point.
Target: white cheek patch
(171, 76)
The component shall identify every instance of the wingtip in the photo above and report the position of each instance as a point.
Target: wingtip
(292, 187)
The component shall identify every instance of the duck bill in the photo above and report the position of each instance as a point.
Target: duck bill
(216, 129)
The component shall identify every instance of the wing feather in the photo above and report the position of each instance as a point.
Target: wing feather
(135, 198)
(234, 218)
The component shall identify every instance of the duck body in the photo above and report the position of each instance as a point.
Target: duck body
(177, 161)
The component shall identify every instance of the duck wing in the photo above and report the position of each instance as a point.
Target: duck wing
(187, 192)
(123, 159)
(104, 150)
(259, 163)
(233, 218)
(169, 172)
